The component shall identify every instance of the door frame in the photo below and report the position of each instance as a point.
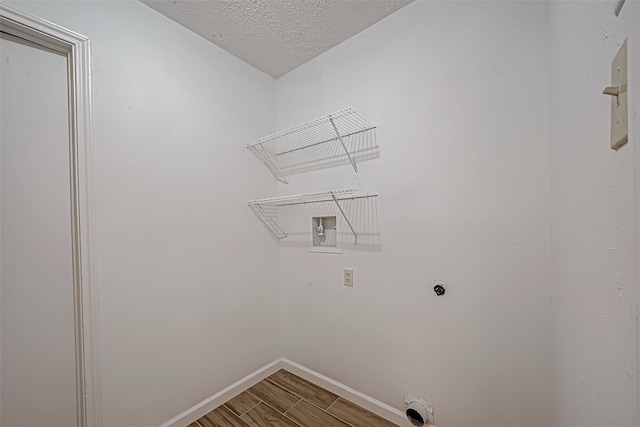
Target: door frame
(77, 49)
(634, 140)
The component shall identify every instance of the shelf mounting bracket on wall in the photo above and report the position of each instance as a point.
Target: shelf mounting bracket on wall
(344, 147)
(344, 215)
(277, 173)
(270, 222)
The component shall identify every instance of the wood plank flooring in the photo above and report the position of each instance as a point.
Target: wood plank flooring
(286, 400)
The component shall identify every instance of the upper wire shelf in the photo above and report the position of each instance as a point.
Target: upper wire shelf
(263, 208)
(334, 127)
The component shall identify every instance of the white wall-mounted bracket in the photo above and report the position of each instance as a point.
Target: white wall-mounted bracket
(344, 147)
(278, 173)
(344, 215)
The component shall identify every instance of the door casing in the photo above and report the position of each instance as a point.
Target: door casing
(77, 49)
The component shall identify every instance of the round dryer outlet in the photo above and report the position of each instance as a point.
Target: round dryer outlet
(418, 410)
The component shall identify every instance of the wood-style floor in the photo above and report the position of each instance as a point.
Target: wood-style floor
(286, 400)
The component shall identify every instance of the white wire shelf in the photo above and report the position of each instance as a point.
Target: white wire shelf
(334, 127)
(264, 208)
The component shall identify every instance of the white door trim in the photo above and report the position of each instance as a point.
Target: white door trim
(634, 137)
(78, 51)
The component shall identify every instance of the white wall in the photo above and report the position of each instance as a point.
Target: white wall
(188, 281)
(592, 227)
(460, 91)
(38, 331)
(459, 94)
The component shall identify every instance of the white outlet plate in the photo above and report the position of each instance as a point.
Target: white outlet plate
(348, 277)
(619, 104)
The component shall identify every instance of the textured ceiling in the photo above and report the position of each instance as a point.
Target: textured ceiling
(276, 36)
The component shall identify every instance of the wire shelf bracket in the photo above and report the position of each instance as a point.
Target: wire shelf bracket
(262, 207)
(335, 127)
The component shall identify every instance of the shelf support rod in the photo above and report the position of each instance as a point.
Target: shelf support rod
(273, 223)
(345, 216)
(282, 177)
(353, 162)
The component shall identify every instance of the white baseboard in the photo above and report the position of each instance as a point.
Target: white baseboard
(367, 402)
(211, 403)
(381, 409)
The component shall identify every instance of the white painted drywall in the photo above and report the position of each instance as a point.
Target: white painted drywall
(592, 226)
(187, 277)
(459, 94)
(38, 367)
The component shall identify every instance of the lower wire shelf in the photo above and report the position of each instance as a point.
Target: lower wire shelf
(264, 208)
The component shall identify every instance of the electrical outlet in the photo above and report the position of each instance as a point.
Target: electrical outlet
(348, 276)
(439, 287)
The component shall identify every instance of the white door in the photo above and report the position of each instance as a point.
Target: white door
(37, 333)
